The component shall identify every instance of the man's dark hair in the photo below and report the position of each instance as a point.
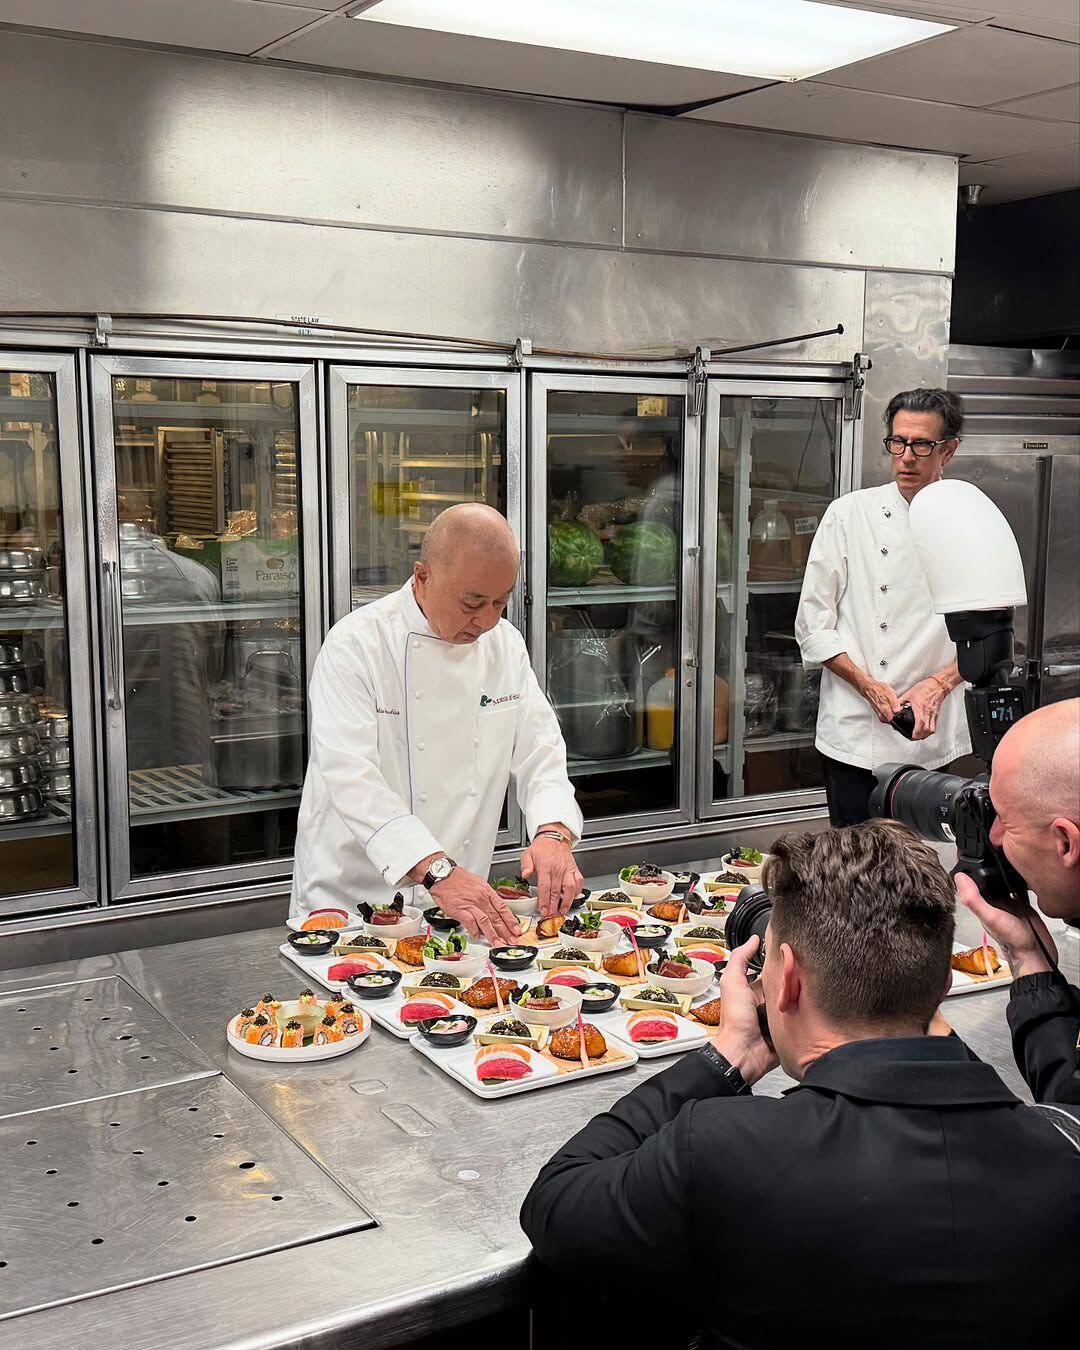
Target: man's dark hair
(950, 407)
(869, 912)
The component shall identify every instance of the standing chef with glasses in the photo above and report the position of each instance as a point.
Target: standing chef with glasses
(866, 616)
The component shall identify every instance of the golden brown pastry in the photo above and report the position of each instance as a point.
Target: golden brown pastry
(551, 926)
(667, 911)
(708, 1013)
(566, 1043)
(482, 993)
(410, 950)
(973, 961)
(625, 963)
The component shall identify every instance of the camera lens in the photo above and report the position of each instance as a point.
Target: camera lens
(922, 799)
(748, 919)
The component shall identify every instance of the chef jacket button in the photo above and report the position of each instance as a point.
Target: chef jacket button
(472, 792)
(423, 797)
(883, 626)
(888, 515)
(883, 588)
(476, 741)
(417, 694)
(883, 663)
(884, 552)
(465, 842)
(419, 745)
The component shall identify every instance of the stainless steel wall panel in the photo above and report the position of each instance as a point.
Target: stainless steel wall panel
(161, 129)
(906, 334)
(752, 194)
(83, 259)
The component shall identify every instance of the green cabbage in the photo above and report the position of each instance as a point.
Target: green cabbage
(644, 554)
(574, 554)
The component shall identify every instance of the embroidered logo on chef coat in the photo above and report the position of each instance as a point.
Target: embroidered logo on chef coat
(389, 712)
(486, 702)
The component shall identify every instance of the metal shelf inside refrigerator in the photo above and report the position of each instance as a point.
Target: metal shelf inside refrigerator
(448, 462)
(640, 759)
(561, 596)
(363, 595)
(240, 414)
(14, 409)
(780, 740)
(775, 587)
(180, 791)
(446, 421)
(57, 820)
(138, 614)
(570, 424)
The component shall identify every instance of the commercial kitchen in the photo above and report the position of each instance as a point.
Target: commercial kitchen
(278, 284)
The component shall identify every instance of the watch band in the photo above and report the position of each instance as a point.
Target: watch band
(728, 1072)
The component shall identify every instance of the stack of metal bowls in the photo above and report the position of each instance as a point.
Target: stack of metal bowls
(24, 577)
(54, 730)
(21, 796)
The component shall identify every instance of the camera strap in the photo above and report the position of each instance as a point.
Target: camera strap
(1063, 1121)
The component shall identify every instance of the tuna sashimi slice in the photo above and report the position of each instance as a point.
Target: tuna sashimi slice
(574, 978)
(645, 1026)
(502, 1063)
(420, 1009)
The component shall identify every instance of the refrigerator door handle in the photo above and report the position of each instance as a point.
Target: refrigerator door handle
(110, 586)
(694, 602)
(1052, 672)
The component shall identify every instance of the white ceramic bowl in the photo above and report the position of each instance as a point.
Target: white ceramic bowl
(525, 904)
(472, 963)
(651, 894)
(569, 999)
(752, 871)
(409, 926)
(610, 935)
(352, 921)
(694, 984)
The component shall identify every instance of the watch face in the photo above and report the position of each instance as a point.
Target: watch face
(441, 868)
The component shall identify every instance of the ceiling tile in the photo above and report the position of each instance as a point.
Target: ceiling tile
(323, 6)
(1063, 161)
(389, 49)
(973, 66)
(209, 25)
(1059, 105)
(883, 119)
(1013, 179)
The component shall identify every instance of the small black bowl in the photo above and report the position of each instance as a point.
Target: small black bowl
(599, 1005)
(443, 922)
(648, 939)
(327, 940)
(684, 881)
(363, 988)
(446, 1040)
(580, 900)
(502, 962)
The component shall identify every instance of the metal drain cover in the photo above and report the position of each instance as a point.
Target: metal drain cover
(120, 1191)
(69, 1042)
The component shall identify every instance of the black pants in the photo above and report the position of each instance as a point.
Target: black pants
(847, 790)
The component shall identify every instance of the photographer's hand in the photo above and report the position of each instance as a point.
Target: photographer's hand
(1011, 929)
(739, 1038)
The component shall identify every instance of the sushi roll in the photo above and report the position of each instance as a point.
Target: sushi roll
(328, 1032)
(261, 1032)
(349, 1020)
(335, 1003)
(307, 998)
(502, 1063)
(292, 1038)
(424, 1006)
(650, 1028)
(268, 1005)
(244, 1020)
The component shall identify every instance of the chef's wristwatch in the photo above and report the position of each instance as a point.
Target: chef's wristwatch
(439, 870)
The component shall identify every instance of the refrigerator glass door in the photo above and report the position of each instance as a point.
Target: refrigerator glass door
(46, 782)
(614, 564)
(772, 467)
(208, 627)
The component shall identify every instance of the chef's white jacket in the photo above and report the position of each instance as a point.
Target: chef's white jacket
(864, 593)
(413, 743)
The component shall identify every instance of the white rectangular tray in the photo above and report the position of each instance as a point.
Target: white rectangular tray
(457, 1064)
(380, 1010)
(691, 1035)
(962, 983)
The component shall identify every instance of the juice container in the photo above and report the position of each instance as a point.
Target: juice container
(660, 712)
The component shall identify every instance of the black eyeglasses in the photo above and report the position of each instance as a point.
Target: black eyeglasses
(896, 445)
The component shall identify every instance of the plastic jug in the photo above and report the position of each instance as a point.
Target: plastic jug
(721, 711)
(770, 545)
(660, 712)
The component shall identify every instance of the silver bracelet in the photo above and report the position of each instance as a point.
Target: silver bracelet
(553, 834)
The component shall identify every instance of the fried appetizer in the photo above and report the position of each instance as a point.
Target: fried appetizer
(973, 961)
(708, 1014)
(624, 963)
(410, 950)
(482, 993)
(566, 1043)
(551, 926)
(667, 911)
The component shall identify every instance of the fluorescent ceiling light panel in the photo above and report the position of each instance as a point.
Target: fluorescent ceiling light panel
(770, 39)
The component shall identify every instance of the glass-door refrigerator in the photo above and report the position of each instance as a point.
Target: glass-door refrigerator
(48, 807)
(206, 479)
(406, 443)
(771, 465)
(614, 588)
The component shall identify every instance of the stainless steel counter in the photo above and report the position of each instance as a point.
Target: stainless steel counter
(442, 1172)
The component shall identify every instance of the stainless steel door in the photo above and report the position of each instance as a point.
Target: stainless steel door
(614, 586)
(206, 479)
(407, 442)
(48, 787)
(771, 465)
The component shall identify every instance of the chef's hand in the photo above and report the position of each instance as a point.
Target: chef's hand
(469, 899)
(558, 881)
(926, 699)
(739, 1039)
(1010, 929)
(881, 697)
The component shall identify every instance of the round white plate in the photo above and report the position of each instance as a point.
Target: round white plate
(306, 1054)
(653, 893)
(752, 872)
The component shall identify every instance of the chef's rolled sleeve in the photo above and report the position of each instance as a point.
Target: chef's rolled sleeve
(539, 762)
(823, 585)
(396, 847)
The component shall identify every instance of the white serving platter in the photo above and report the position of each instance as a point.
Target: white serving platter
(303, 1054)
(691, 1035)
(315, 967)
(458, 1064)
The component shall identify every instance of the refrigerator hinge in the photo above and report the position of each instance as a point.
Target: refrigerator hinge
(697, 370)
(102, 330)
(522, 349)
(860, 364)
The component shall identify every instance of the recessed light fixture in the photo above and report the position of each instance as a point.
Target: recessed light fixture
(769, 39)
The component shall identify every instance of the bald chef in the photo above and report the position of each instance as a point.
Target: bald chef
(423, 706)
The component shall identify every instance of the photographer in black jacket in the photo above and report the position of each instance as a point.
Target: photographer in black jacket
(899, 1195)
(1035, 789)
